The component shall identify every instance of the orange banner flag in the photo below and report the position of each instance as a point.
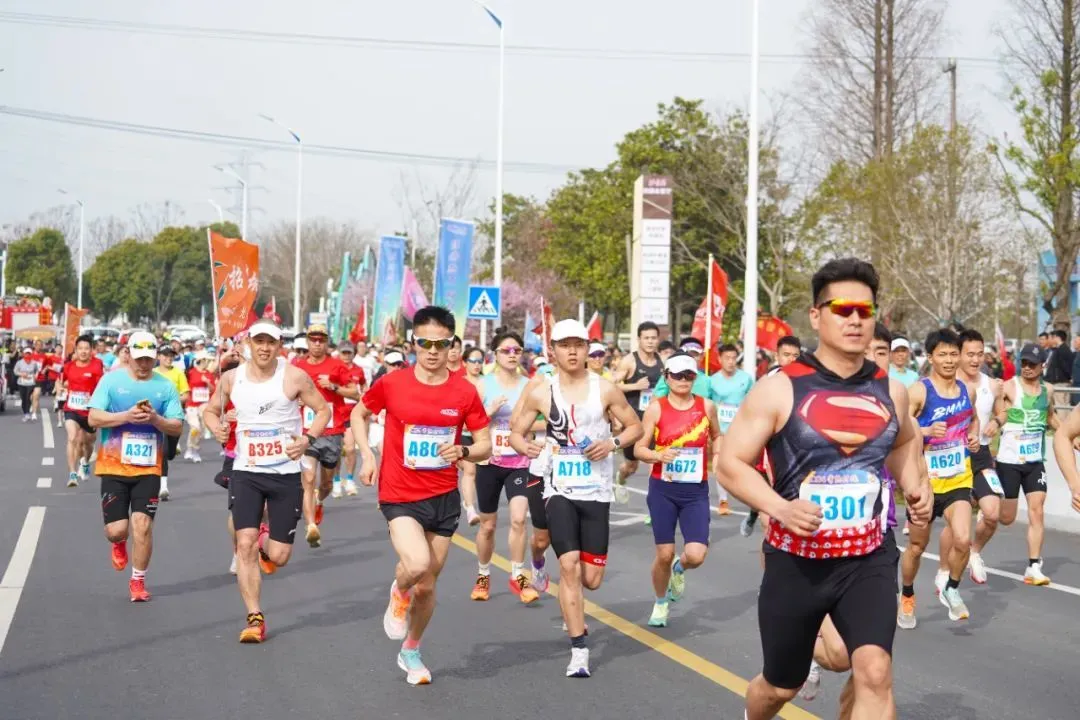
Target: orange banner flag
(72, 323)
(235, 272)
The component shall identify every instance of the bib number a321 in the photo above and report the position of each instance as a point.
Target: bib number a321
(139, 449)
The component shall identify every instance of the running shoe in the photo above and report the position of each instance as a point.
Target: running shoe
(659, 615)
(746, 527)
(84, 469)
(232, 565)
(940, 580)
(1034, 575)
(350, 488)
(396, 618)
(676, 586)
(813, 682)
(416, 673)
(137, 589)
(33, 417)
(905, 614)
(950, 598)
(648, 521)
(336, 492)
(318, 512)
(196, 457)
(622, 495)
(472, 516)
(977, 568)
(266, 564)
(255, 632)
(482, 589)
(579, 663)
(73, 479)
(723, 508)
(187, 454)
(25, 418)
(540, 579)
(119, 556)
(314, 537)
(526, 593)
(164, 494)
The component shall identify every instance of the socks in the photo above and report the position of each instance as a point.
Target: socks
(137, 574)
(952, 584)
(407, 595)
(677, 567)
(908, 591)
(410, 644)
(517, 569)
(577, 642)
(662, 599)
(349, 477)
(484, 569)
(1033, 561)
(538, 564)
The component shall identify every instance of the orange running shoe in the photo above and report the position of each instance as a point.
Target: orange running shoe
(318, 513)
(482, 589)
(137, 588)
(526, 593)
(255, 632)
(119, 556)
(266, 564)
(723, 508)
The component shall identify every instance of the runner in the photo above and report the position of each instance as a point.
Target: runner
(539, 475)
(637, 375)
(831, 421)
(26, 370)
(944, 407)
(136, 410)
(701, 388)
(577, 405)
(728, 388)
(230, 359)
(597, 359)
(901, 359)
(335, 382)
(201, 383)
(426, 408)
(473, 366)
(347, 353)
(683, 428)
(1027, 414)
(507, 472)
(266, 471)
(44, 360)
(78, 380)
(454, 360)
(167, 369)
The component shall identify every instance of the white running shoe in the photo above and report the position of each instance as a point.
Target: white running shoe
(950, 598)
(396, 617)
(976, 568)
(196, 457)
(73, 480)
(812, 685)
(164, 494)
(940, 579)
(336, 492)
(187, 454)
(232, 565)
(1034, 575)
(350, 488)
(540, 579)
(33, 416)
(472, 516)
(579, 663)
(622, 495)
(416, 673)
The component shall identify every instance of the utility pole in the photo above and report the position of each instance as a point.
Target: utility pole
(950, 69)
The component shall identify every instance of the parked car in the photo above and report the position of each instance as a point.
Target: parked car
(186, 333)
(101, 331)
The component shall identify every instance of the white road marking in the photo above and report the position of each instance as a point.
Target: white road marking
(1012, 576)
(44, 482)
(11, 585)
(646, 492)
(46, 461)
(628, 519)
(46, 427)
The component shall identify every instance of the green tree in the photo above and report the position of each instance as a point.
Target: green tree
(120, 281)
(180, 283)
(43, 261)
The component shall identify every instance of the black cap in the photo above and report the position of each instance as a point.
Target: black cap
(1031, 353)
(166, 350)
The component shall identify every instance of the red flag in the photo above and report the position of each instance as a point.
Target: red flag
(270, 312)
(73, 319)
(547, 321)
(234, 271)
(769, 331)
(596, 328)
(359, 330)
(708, 332)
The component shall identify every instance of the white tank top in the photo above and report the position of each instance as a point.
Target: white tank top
(571, 427)
(984, 405)
(266, 422)
(540, 466)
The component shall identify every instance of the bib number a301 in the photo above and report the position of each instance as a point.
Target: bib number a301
(421, 443)
(945, 460)
(846, 497)
(139, 449)
(687, 468)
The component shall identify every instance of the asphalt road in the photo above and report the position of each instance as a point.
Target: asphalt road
(76, 648)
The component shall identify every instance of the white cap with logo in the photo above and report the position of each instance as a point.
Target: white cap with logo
(142, 345)
(264, 327)
(680, 363)
(900, 344)
(569, 330)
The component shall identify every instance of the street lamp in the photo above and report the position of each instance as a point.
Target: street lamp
(244, 195)
(299, 199)
(220, 214)
(750, 299)
(82, 234)
(499, 147)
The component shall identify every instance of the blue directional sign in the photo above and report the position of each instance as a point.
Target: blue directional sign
(485, 303)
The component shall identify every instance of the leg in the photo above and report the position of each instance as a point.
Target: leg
(910, 560)
(468, 484)
(309, 466)
(117, 531)
(1036, 504)
(413, 550)
(485, 538)
(348, 461)
(326, 484)
(661, 569)
(75, 444)
(1007, 515)
(35, 399)
(142, 540)
(871, 679)
(519, 508)
(283, 496)
(830, 652)
(958, 518)
(423, 596)
(571, 595)
(990, 509)
(248, 576)
(487, 487)
(248, 496)
(945, 543)
(594, 533)
(664, 511)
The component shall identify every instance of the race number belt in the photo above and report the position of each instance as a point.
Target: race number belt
(138, 448)
(849, 526)
(200, 395)
(421, 446)
(991, 477)
(689, 467)
(945, 460)
(644, 399)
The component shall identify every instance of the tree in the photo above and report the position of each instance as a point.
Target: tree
(42, 260)
(120, 281)
(1042, 168)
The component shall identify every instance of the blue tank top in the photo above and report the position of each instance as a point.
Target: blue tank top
(502, 454)
(947, 457)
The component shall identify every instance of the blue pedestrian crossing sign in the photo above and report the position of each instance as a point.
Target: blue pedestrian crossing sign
(485, 303)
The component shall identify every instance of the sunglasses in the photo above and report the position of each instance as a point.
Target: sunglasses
(144, 346)
(397, 365)
(511, 351)
(596, 355)
(843, 308)
(428, 343)
(316, 338)
(685, 375)
(301, 351)
(475, 361)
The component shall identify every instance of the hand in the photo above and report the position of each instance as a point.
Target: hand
(642, 384)
(599, 450)
(801, 517)
(496, 404)
(295, 449)
(938, 430)
(367, 470)
(221, 432)
(451, 453)
(920, 504)
(991, 428)
(230, 417)
(324, 382)
(668, 455)
(973, 441)
(138, 415)
(533, 449)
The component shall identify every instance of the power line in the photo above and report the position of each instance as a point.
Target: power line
(177, 30)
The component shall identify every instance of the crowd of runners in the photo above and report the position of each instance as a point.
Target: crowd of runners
(827, 449)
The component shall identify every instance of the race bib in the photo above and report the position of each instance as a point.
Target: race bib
(500, 440)
(309, 419)
(945, 460)
(644, 400)
(200, 395)
(61, 395)
(78, 400)
(1029, 447)
(992, 479)
(687, 468)
(138, 448)
(262, 447)
(421, 446)
(573, 472)
(726, 413)
(846, 497)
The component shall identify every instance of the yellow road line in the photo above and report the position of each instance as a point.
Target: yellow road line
(672, 651)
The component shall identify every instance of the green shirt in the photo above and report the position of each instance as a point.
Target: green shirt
(702, 388)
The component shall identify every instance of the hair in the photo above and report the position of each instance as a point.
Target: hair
(844, 269)
(435, 315)
(84, 339)
(1064, 336)
(469, 352)
(1043, 335)
(883, 334)
(502, 334)
(666, 345)
(971, 335)
(688, 340)
(789, 340)
(646, 326)
(945, 336)
(728, 347)
(456, 342)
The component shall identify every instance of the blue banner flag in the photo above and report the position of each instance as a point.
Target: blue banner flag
(388, 280)
(453, 266)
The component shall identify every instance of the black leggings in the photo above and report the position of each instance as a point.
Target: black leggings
(25, 391)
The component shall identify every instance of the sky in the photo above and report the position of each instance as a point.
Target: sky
(562, 110)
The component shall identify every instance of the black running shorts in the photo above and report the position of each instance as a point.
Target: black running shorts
(122, 496)
(327, 450)
(83, 421)
(1031, 477)
(534, 490)
(943, 500)
(438, 515)
(283, 496)
(579, 526)
(492, 480)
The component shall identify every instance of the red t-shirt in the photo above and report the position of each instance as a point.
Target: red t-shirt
(338, 374)
(201, 384)
(54, 365)
(230, 444)
(460, 372)
(356, 373)
(43, 360)
(421, 410)
(81, 381)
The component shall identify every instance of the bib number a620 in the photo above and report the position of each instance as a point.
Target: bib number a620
(947, 460)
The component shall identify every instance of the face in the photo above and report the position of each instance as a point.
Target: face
(570, 354)
(1043, 341)
(165, 360)
(648, 341)
(474, 363)
(596, 361)
(317, 346)
(435, 356)
(878, 353)
(361, 349)
(666, 353)
(264, 350)
(508, 354)
(123, 355)
(1030, 370)
(37, 346)
(972, 356)
(347, 356)
(680, 383)
(82, 351)
(787, 354)
(944, 360)
(841, 325)
(100, 347)
(454, 355)
(143, 366)
(900, 357)
(728, 361)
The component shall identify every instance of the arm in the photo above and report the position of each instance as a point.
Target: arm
(99, 417)
(1064, 436)
(906, 463)
(521, 420)
(642, 451)
(172, 422)
(973, 428)
(621, 411)
(310, 397)
(359, 421)
(714, 435)
(350, 391)
(212, 415)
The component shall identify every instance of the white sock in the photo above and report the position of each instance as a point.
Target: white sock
(517, 569)
(164, 482)
(137, 574)
(484, 569)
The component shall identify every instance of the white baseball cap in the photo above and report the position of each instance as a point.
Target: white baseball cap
(569, 330)
(597, 347)
(392, 358)
(265, 327)
(299, 343)
(142, 345)
(680, 363)
(901, 344)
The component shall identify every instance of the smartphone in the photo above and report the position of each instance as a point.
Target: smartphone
(144, 405)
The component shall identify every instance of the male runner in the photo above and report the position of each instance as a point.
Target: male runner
(1027, 414)
(78, 380)
(831, 421)
(201, 385)
(728, 388)
(1065, 438)
(453, 360)
(358, 376)
(901, 358)
(266, 471)
(44, 360)
(682, 428)
(637, 375)
(945, 410)
(172, 372)
(336, 383)
(577, 405)
(426, 408)
(136, 410)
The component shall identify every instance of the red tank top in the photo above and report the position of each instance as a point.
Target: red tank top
(688, 431)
